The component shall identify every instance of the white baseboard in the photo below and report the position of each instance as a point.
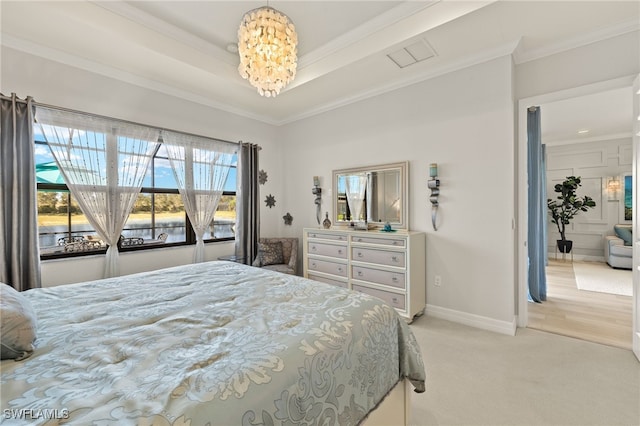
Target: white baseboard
(485, 323)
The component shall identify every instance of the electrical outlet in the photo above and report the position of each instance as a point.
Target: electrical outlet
(438, 281)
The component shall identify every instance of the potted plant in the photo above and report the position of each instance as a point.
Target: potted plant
(565, 207)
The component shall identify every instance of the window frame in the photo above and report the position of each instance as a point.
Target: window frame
(190, 236)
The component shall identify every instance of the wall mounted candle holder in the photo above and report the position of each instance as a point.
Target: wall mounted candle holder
(434, 185)
(317, 191)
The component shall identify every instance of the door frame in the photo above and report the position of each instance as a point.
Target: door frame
(522, 190)
(635, 345)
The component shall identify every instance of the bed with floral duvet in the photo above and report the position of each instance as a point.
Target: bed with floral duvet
(215, 343)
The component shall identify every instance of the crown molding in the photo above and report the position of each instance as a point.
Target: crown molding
(397, 21)
(521, 56)
(601, 138)
(139, 17)
(392, 16)
(391, 29)
(67, 59)
(478, 58)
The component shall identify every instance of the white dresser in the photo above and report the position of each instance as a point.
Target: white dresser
(390, 266)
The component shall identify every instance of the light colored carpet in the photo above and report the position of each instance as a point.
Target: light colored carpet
(476, 377)
(600, 277)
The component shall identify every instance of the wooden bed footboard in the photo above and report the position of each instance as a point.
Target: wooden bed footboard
(395, 408)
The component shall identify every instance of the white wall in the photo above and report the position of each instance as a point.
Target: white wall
(54, 83)
(595, 62)
(462, 121)
(594, 162)
(87, 268)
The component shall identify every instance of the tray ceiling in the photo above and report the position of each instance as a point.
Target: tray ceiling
(345, 47)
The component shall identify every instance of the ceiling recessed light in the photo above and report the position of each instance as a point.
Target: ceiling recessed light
(583, 131)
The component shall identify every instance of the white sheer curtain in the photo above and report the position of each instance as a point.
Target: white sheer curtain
(103, 163)
(201, 167)
(355, 186)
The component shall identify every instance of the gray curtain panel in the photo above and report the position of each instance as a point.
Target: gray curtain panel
(247, 203)
(537, 196)
(19, 250)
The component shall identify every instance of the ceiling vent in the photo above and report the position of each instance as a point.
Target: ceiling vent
(413, 53)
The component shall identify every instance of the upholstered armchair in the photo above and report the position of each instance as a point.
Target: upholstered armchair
(618, 249)
(278, 254)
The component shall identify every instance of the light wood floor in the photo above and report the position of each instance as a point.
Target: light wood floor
(587, 315)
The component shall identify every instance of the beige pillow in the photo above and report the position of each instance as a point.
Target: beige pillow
(17, 324)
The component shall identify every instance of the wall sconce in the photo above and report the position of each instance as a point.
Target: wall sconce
(613, 188)
(434, 186)
(317, 191)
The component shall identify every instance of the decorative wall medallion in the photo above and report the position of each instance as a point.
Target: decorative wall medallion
(287, 219)
(270, 201)
(262, 177)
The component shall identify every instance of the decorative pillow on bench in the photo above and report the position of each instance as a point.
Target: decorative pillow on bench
(269, 254)
(18, 326)
(624, 232)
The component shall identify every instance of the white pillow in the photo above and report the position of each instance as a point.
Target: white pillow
(17, 324)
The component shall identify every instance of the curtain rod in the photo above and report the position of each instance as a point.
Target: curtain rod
(89, 114)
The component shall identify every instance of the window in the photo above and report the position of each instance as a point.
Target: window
(157, 219)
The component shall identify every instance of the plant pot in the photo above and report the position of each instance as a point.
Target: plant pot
(564, 246)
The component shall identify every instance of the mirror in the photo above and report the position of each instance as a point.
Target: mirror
(377, 193)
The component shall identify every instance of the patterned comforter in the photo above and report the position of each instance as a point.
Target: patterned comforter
(212, 343)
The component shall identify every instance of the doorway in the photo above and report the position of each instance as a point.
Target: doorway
(588, 315)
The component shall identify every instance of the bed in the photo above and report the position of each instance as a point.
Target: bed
(211, 343)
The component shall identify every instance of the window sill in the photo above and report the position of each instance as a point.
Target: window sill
(93, 253)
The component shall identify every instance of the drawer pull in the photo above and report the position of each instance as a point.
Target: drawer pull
(313, 264)
(394, 299)
(339, 251)
(340, 269)
(394, 279)
(395, 243)
(359, 254)
(313, 248)
(394, 258)
(359, 240)
(359, 273)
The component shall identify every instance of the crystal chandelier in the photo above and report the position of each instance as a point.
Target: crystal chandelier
(267, 43)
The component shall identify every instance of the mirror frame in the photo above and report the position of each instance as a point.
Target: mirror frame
(403, 167)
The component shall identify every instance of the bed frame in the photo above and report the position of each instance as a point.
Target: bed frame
(395, 408)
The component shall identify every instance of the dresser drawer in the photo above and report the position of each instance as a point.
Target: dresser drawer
(327, 236)
(382, 257)
(324, 249)
(394, 299)
(326, 280)
(395, 242)
(390, 278)
(388, 265)
(327, 267)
